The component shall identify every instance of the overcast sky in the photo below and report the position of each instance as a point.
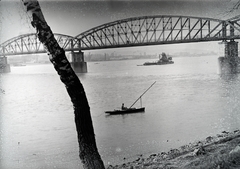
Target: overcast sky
(73, 17)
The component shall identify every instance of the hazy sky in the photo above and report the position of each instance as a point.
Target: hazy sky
(74, 17)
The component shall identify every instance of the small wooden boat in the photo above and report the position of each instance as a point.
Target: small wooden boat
(130, 110)
(125, 110)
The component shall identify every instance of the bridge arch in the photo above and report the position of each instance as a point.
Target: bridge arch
(136, 31)
(155, 30)
(29, 43)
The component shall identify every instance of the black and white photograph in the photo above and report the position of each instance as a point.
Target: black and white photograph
(119, 84)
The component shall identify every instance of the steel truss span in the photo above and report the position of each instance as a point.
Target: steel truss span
(157, 30)
(137, 31)
(29, 44)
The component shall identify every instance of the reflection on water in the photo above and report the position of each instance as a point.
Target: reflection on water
(190, 101)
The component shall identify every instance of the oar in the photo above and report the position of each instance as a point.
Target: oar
(142, 95)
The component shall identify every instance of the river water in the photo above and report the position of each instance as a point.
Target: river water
(190, 101)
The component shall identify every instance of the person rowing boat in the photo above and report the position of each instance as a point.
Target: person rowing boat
(131, 109)
(124, 108)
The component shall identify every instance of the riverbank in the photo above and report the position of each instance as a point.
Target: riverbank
(218, 152)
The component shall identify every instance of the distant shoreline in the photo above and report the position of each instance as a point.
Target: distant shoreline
(100, 60)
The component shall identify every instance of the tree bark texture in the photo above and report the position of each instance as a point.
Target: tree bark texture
(88, 151)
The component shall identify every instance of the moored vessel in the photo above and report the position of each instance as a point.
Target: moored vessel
(163, 60)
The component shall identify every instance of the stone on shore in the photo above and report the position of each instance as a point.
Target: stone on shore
(219, 152)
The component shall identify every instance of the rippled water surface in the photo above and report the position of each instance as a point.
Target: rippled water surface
(190, 101)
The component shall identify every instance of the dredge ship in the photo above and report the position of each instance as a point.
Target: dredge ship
(163, 60)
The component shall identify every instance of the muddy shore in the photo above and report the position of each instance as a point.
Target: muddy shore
(215, 152)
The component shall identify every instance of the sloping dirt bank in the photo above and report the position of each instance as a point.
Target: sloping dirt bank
(218, 152)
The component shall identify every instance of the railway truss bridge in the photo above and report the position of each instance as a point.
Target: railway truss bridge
(132, 32)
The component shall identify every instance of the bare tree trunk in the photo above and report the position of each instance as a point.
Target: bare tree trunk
(88, 151)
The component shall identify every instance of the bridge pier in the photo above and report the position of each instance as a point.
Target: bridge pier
(229, 63)
(78, 64)
(4, 66)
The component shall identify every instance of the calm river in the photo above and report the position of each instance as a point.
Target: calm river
(190, 101)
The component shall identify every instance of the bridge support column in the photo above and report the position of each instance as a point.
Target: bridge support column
(229, 63)
(78, 64)
(4, 66)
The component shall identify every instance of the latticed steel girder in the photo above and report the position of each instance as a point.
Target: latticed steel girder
(234, 24)
(137, 31)
(29, 43)
(156, 30)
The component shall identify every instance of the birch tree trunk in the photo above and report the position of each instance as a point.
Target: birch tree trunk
(88, 151)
